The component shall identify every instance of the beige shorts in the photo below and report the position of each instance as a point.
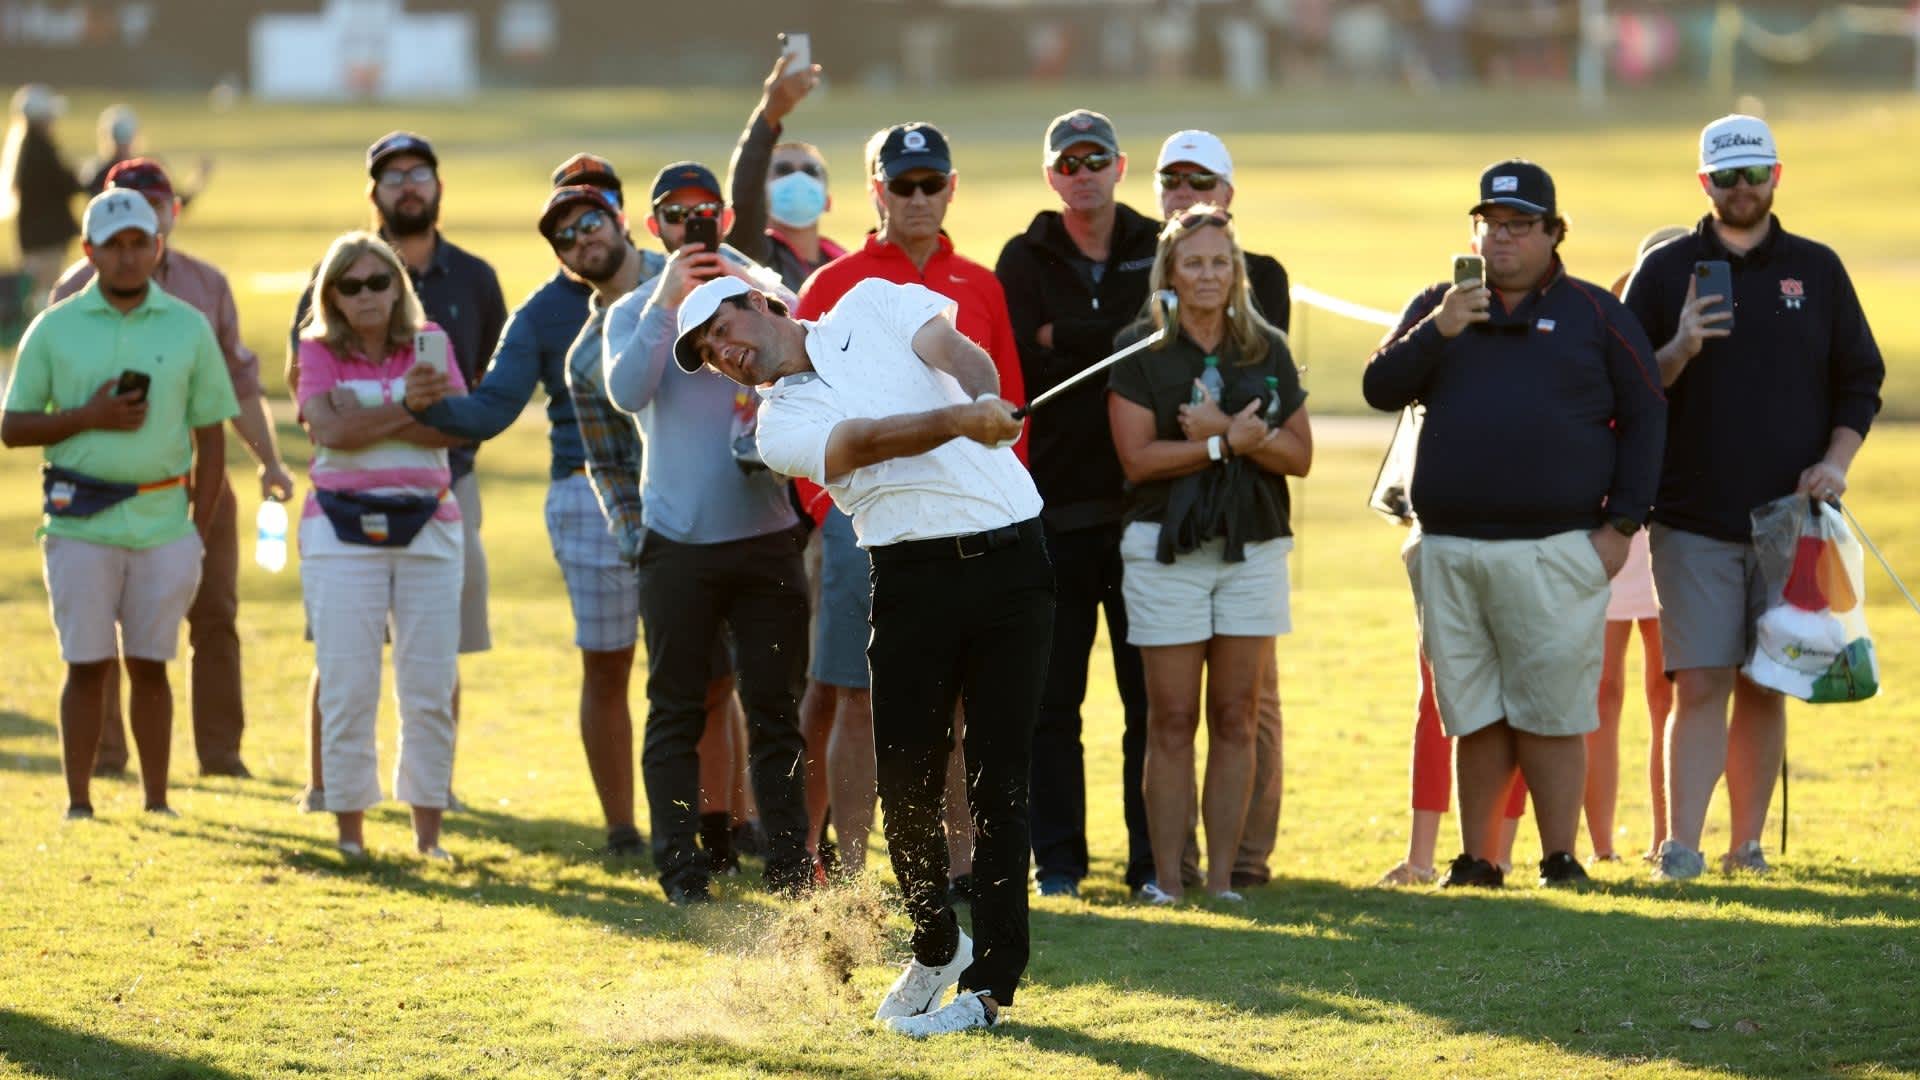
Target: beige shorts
(475, 635)
(1711, 595)
(1201, 595)
(112, 601)
(1514, 630)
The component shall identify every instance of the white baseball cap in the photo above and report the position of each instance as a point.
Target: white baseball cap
(1195, 147)
(698, 309)
(1736, 140)
(115, 210)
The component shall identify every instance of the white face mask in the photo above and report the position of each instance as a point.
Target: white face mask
(796, 200)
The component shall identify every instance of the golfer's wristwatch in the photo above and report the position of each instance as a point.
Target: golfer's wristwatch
(1623, 525)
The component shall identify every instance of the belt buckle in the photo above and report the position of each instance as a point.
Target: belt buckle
(960, 546)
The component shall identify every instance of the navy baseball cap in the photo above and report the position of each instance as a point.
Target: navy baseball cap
(1080, 126)
(685, 174)
(398, 142)
(563, 197)
(912, 146)
(1517, 183)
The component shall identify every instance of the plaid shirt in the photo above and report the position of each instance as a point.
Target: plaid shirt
(611, 439)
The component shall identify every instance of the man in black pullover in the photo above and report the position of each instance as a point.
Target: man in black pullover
(1073, 280)
(1537, 462)
(1777, 403)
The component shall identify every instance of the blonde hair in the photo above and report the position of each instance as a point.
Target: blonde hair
(1246, 329)
(328, 326)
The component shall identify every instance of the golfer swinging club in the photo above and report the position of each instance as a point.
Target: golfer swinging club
(894, 412)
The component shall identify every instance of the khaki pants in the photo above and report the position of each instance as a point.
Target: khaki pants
(213, 679)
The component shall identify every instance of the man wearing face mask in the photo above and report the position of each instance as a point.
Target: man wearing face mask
(720, 547)
(796, 197)
(459, 292)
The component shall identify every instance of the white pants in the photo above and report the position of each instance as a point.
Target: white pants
(350, 597)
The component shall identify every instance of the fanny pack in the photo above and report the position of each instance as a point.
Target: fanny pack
(72, 494)
(377, 520)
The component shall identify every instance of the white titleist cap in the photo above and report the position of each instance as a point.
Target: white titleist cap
(1202, 148)
(116, 209)
(1736, 140)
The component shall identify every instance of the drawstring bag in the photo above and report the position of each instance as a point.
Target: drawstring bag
(1812, 641)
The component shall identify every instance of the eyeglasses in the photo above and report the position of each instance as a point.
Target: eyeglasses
(926, 185)
(787, 168)
(1514, 229)
(673, 214)
(1219, 220)
(374, 283)
(1069, 164)
(1755, 175)
(583, 226)
(419, 174)
(1198, 181)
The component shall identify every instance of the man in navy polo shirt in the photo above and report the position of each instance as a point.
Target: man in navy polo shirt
(1537, 462)
(1779, 402)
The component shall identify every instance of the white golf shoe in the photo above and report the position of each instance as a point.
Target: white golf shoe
(964, 1013)
(920, 987)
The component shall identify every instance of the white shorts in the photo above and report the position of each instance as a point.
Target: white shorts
(112, 601)
(1201, 595)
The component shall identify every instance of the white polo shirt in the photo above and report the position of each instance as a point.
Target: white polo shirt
(865, 368)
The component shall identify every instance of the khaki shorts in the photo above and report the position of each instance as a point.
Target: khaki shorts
(112, 601)
(1201, 595)
(1514, 630)
(474, 633)
(1711, 593)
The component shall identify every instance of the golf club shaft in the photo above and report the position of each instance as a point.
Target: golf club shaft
(1081, 376)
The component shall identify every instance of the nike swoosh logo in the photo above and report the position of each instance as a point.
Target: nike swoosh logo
(843, 348)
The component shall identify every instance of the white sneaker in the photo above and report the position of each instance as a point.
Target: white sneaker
(919, 987)
(965, 1012)
(1152, 893)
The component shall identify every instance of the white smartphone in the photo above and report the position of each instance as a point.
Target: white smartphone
(800, 47)
(430, 347)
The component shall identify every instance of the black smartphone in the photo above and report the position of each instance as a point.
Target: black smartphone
(1713, 277)
(1469, 268)
(134, 383)
(703, 230)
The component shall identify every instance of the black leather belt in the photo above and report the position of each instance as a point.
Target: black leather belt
(970, 546)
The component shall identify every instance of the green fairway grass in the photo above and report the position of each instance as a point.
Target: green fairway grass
(234, 942)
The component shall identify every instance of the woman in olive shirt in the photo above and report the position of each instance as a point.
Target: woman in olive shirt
(1207, 534)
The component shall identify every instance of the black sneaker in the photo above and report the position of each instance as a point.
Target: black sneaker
(747, 839)
(960, 891)
(1471, 872)
(688, 890)
(624, 842)
(79, 812)
(1057, 885)
(1560, 869)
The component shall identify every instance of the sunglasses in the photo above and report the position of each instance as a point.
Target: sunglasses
(677, 215)
(1198, 181)
(419, 174)
(583, 226)
(1755, 175)
(787, 168)
(1196, 219)
(926, 185)
(1515, 229)
(1069, 164)
(375, 283)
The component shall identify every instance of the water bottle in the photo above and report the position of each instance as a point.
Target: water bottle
(1210, 378)
(270, 536)
(1273, 401)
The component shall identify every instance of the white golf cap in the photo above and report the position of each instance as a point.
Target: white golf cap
(1736, 140)
(115, 210)
(696, 311)
(37, 101)
(1195, 147)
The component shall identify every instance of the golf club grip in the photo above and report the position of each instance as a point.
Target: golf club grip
(1020, 413)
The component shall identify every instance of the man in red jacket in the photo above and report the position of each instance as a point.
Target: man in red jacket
(913, 185)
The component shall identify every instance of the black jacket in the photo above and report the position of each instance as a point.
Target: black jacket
(1047, 280)
(46, 187)
(1546, 419)
(1757, 407)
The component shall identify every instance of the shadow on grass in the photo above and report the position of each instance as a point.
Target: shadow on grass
(18, 725)
(39, 1046)
(1697, 981)
(14, 725)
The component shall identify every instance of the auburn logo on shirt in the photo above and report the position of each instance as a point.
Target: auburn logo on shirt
(1792, 293)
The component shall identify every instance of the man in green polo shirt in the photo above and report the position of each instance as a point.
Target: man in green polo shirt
(125, 388)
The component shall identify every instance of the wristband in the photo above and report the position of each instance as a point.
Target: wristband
(1216, 448)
